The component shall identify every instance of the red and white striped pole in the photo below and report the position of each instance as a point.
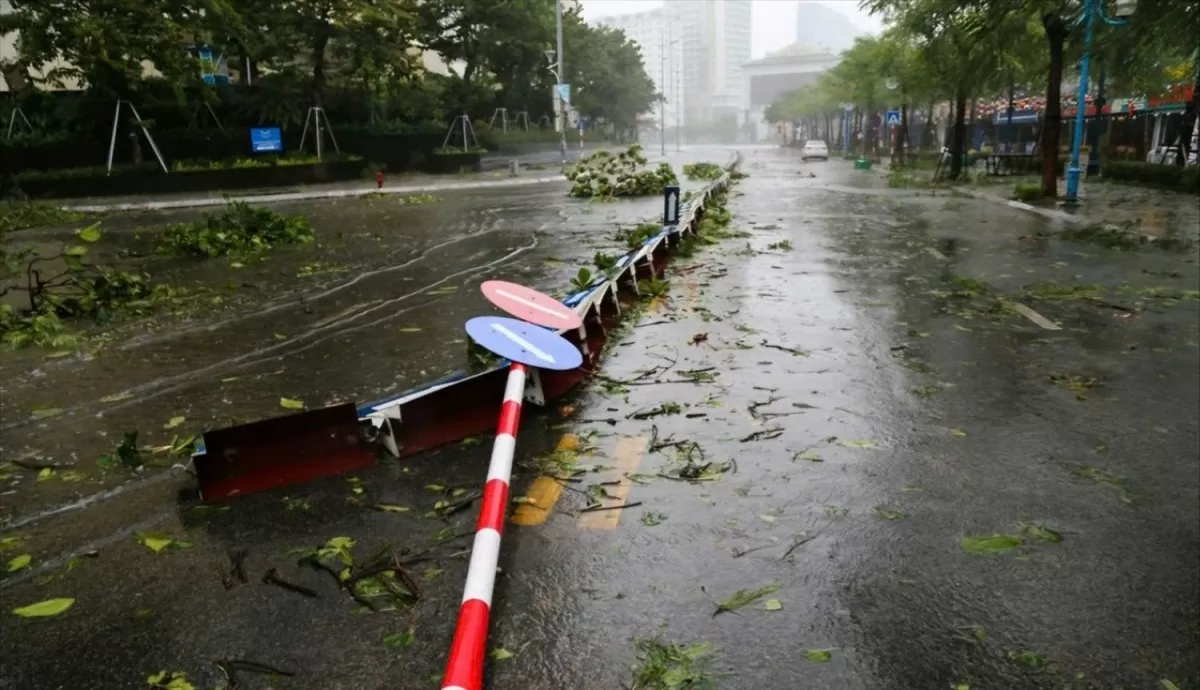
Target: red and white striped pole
(464, 671)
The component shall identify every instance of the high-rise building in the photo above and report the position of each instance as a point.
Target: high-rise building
(716, 43)
(662, 58)
(820, 26)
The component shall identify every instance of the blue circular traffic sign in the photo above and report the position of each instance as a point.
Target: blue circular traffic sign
(524, 342)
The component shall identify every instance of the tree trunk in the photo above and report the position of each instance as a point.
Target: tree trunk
(320, 42)
(902, 135)
(958, 144)
(1056, 34)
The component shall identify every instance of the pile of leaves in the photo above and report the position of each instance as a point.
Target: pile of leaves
(240, 228)
(604, 176)
(702, 171)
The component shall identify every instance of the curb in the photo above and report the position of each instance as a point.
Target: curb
(200, 202)
(1049, 214)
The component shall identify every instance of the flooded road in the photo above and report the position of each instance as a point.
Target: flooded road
(847, 409)
(374, 306)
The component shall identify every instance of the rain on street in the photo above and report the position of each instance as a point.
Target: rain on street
(836, 451)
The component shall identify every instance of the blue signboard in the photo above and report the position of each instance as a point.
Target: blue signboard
(564, 92)
(523, 342)
(671, 205)
(266, 140)
(893, 117)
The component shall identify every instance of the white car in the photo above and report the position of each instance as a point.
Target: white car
(814, 148)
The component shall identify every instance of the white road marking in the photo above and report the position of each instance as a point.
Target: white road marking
(524, 344)
(532, 305)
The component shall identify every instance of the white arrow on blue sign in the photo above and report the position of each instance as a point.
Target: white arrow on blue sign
(893, 117)
(564, 92)
(671, 205)
(518, 341)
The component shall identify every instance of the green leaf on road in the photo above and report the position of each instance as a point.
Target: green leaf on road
(157, 542)
(47, 412)
(117, 397)
(400, 640)
(773, 605)
(19, 562)
(411, 329)
(1031, 659)
(174, 422)
(889, 514)
(89, 234)
(392, 508)
(44, 609)
(45, 473)
(818, 656)
(859, 443)
(500, 654)
(990, 544)
(290, 404)
(809, 455)
(958, 432)
(743, 598)
(9, 543)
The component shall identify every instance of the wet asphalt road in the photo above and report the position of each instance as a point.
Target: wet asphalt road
(906, 411)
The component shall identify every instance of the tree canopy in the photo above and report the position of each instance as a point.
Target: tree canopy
(303, 52)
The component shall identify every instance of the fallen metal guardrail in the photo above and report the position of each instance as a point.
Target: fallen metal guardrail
(308, 445)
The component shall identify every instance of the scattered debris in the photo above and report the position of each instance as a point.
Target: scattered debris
(743, 598)
(668, 666)
(1040, 532)
(763, 434)
(983, 545)
(272, 578)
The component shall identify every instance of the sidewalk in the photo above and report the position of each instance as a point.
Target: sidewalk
(540, 171)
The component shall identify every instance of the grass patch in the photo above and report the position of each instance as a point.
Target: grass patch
(1126, 237)
(240, 228)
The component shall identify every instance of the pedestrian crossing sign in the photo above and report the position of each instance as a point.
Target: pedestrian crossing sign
(893, 117)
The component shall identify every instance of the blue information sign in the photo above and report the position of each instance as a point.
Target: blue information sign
(671, 205)
(893, 117)
(266, 140)
(525, 343)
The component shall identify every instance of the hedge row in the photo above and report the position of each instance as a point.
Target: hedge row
(1173, 177)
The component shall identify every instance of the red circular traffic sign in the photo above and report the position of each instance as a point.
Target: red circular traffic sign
(530, 305)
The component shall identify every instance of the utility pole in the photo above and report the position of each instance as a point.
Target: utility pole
(558, 28)
(662, 97)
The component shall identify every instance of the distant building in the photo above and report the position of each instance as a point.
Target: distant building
(817, 25)
(716, 43)
(768, 78)
(662, 57)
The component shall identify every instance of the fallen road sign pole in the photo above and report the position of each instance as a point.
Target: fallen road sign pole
(524, 343)
(464, 670)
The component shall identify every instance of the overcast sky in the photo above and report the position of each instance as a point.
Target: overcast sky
(774, 20)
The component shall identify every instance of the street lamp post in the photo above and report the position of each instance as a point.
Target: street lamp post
(1091, 8)
(558, 77)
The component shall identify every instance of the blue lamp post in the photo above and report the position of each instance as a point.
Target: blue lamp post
(1091, 8)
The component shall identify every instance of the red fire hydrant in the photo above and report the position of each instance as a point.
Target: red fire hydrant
(379, 179)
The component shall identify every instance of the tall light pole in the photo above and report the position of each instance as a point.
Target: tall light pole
(662, 103)
(559, 75)
(1087, 17)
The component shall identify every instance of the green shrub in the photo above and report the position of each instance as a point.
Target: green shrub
(1027, 191)
(18, 215)
(1162, 176)
(240, 228)
(702, 171)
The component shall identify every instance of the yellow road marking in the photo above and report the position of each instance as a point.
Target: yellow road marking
(544, 492)
(628, 456)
